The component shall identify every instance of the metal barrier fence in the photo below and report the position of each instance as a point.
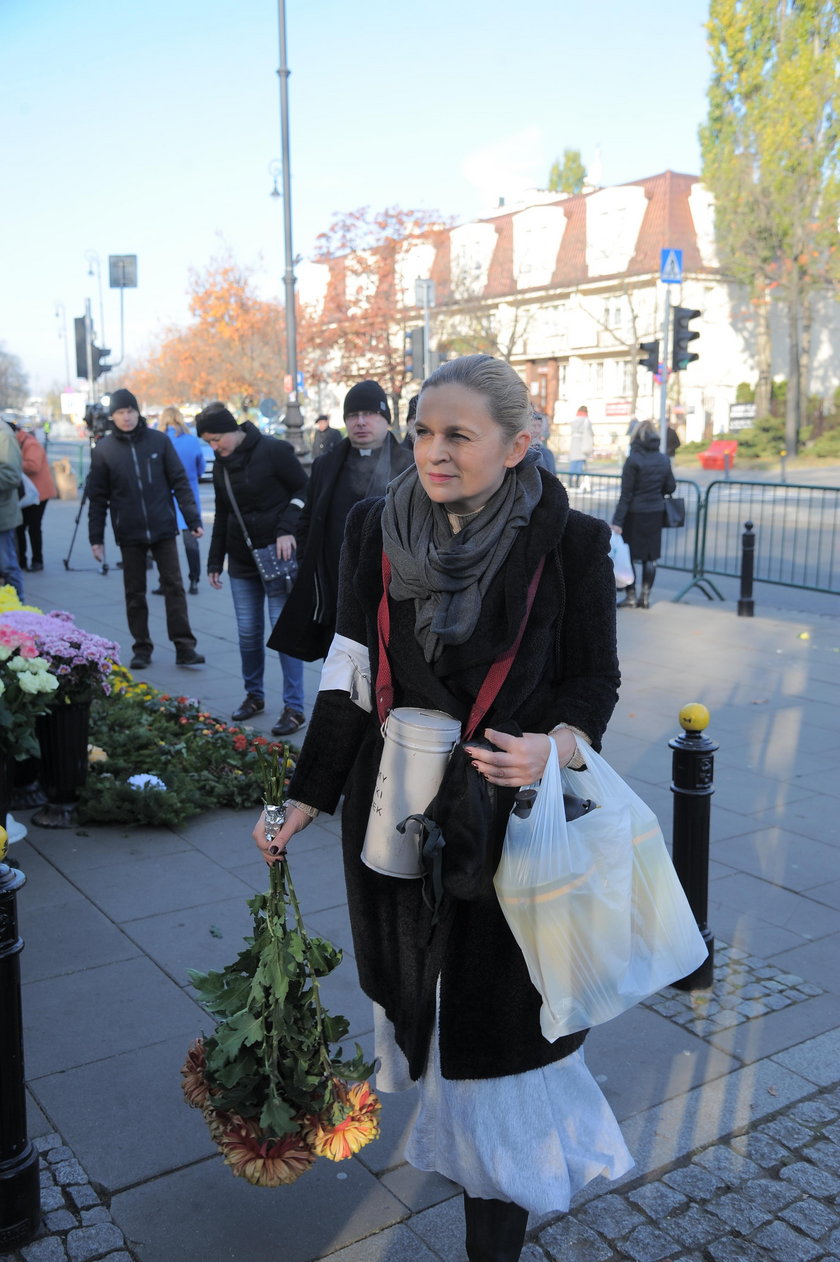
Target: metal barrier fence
(797, 530)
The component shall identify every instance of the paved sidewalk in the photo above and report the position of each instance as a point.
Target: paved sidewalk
(729, 1099)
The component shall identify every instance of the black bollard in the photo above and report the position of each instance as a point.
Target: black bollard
(692, 785)
(20, 1194)
(746, 604)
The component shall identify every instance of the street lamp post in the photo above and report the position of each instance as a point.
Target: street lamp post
(294, 419)
(95, 269)
(424, 292)
(61, 316)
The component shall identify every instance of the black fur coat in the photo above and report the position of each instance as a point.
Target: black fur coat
(566, 670)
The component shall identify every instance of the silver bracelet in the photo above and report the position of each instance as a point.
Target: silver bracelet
(311, 811)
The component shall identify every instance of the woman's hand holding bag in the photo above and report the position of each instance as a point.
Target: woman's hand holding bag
(594, 904)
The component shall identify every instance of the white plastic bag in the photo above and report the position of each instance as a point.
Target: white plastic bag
(27, 492)
(622, 564)
(595, 905)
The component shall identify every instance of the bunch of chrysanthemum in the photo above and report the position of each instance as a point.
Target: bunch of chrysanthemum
(265, 1159)
(81, 661)
(27, 689)
(274, 1094)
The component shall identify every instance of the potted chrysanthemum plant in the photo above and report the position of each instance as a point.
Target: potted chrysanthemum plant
(274, 1092)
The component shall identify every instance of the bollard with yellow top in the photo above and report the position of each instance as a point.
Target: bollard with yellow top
(692, 785)
(20, 1194)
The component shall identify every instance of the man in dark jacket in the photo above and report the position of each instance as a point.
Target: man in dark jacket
(325, 437)
(361, 466)
(259, 485)
(134, 471)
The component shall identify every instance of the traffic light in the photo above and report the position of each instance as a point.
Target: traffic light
(681, 356)
(81, 346)
(651, 359)
(414, 353)
(97, 353)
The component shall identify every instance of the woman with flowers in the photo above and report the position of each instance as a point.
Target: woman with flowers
(519, 1122)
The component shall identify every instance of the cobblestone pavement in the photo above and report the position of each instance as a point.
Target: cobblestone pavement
(76, 1224)
(745, 987)
(772, 1195)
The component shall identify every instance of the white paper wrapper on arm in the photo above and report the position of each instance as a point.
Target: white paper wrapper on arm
(595, 905)
(347, 669)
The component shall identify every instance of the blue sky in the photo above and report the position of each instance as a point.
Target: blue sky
(148, 129)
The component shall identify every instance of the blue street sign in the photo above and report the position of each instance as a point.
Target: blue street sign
(670, 267)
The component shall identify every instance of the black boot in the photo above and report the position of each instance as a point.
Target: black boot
(629, 601)
(648, 575)
(495, 1229)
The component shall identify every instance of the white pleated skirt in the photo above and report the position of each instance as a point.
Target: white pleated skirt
(535, 1138)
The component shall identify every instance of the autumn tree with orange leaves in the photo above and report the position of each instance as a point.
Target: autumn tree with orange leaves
(232, 350)
(360, 330)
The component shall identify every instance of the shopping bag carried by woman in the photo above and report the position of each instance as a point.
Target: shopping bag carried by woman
(622, 564)
(594, 903)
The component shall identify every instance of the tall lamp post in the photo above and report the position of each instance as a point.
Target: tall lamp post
(294, 419)
(95, 269)
(61, 316)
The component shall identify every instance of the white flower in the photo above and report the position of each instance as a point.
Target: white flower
(145, 781)
(45, 681)
(19, 664)
(2, 687)
(29, 683)
(5, 652)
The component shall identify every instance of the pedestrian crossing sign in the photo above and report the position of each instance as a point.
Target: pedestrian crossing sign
(670, 267)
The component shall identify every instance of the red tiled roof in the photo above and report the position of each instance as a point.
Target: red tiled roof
(667, 223)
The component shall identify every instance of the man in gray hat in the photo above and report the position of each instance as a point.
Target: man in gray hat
(134, 471)
(359, 467)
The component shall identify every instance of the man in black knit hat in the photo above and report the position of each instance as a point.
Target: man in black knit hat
(360, 466)
(134, 471)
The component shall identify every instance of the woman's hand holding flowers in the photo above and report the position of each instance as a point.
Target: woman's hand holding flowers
(274, 847)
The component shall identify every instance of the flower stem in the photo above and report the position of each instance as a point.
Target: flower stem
(316, 993)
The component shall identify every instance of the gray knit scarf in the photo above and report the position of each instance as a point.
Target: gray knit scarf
(446, 574)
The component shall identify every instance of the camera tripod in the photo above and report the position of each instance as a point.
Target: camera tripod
(103, 566)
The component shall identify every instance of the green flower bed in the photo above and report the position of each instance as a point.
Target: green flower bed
(160, 740)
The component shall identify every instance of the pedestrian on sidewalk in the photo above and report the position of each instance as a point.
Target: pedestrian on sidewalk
(134, 472)
(35, 466)
(647, 477)
(325, 437)
(360, 466)
(517, 1121)
(581, 445)
(260, 479)
(188, 448)
(11, 467)
(539, 437)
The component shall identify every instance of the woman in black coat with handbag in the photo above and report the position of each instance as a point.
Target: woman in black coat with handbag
(466, 535)
(646, 479)
(259, 479)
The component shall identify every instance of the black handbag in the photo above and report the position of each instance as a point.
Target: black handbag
(673, 514)
(270, 566)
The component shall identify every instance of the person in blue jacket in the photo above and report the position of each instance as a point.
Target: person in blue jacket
(171, 422)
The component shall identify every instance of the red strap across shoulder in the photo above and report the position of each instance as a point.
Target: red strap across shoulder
(496, 675)
(384, 682)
